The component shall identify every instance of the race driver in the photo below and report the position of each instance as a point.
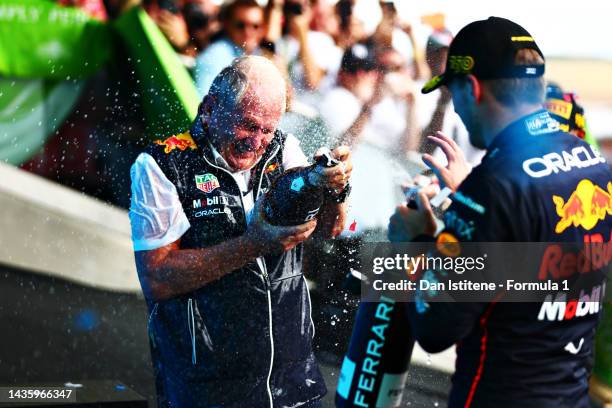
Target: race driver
(230, 320)
(511, 354)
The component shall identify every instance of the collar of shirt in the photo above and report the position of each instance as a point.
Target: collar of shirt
(534, 124)
(242, 177)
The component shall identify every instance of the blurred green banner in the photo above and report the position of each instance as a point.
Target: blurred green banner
(169, 96)
(40, 39)
(603, 348)
(47, 49)
(30, 111)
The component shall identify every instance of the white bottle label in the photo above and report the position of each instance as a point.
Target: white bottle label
(391, 390)
(346, 378)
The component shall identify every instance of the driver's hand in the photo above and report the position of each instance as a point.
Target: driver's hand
(457, 168)
(406, 223)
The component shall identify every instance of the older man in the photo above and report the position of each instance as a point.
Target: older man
(230, 317)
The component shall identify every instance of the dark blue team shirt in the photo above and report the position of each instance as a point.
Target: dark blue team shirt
(519, 354)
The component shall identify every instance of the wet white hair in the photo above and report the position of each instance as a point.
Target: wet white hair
(230, 86)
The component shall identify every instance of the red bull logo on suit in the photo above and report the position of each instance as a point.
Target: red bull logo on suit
(585, 207)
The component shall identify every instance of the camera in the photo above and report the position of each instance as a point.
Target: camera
(293, 8)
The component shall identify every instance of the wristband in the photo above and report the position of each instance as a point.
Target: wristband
(340, 197)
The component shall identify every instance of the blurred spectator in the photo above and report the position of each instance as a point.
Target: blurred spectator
(310, 56)
(95, 8)
(209, 7)
(167, 16)
(605, 147)
(310, 60)
(243, 30)
(202, 24)
(372, 109)
(391, 32)
(324, 17)
(372, 101)
(114, 8)
(438, 114)
(350, 28)
(564, 108)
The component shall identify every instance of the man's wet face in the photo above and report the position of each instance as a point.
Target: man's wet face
(250, 129)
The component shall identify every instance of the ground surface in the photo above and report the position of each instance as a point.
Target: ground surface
(57, 331)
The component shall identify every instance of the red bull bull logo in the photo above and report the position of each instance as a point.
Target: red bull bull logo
(585, 207)
(271, 168)
(181, 141)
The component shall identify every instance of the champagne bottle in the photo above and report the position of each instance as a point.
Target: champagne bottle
(375, 367)
(294, 198)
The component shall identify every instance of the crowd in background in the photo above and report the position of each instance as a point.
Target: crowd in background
(346, 85)
(348, 82)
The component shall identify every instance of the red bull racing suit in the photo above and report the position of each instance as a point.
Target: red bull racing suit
(535, 184)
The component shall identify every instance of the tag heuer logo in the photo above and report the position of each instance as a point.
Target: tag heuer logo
(206, 182)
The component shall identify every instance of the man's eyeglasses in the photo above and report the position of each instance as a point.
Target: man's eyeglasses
(242, 25)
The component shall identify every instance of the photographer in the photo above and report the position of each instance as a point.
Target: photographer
(311, 56)
(508, 354)
(372, 109)
(394, 33)
(230, 310)
(436, 111)
(170, 20)
(202, 24)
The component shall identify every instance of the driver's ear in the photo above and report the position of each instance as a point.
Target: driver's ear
(475, 87)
